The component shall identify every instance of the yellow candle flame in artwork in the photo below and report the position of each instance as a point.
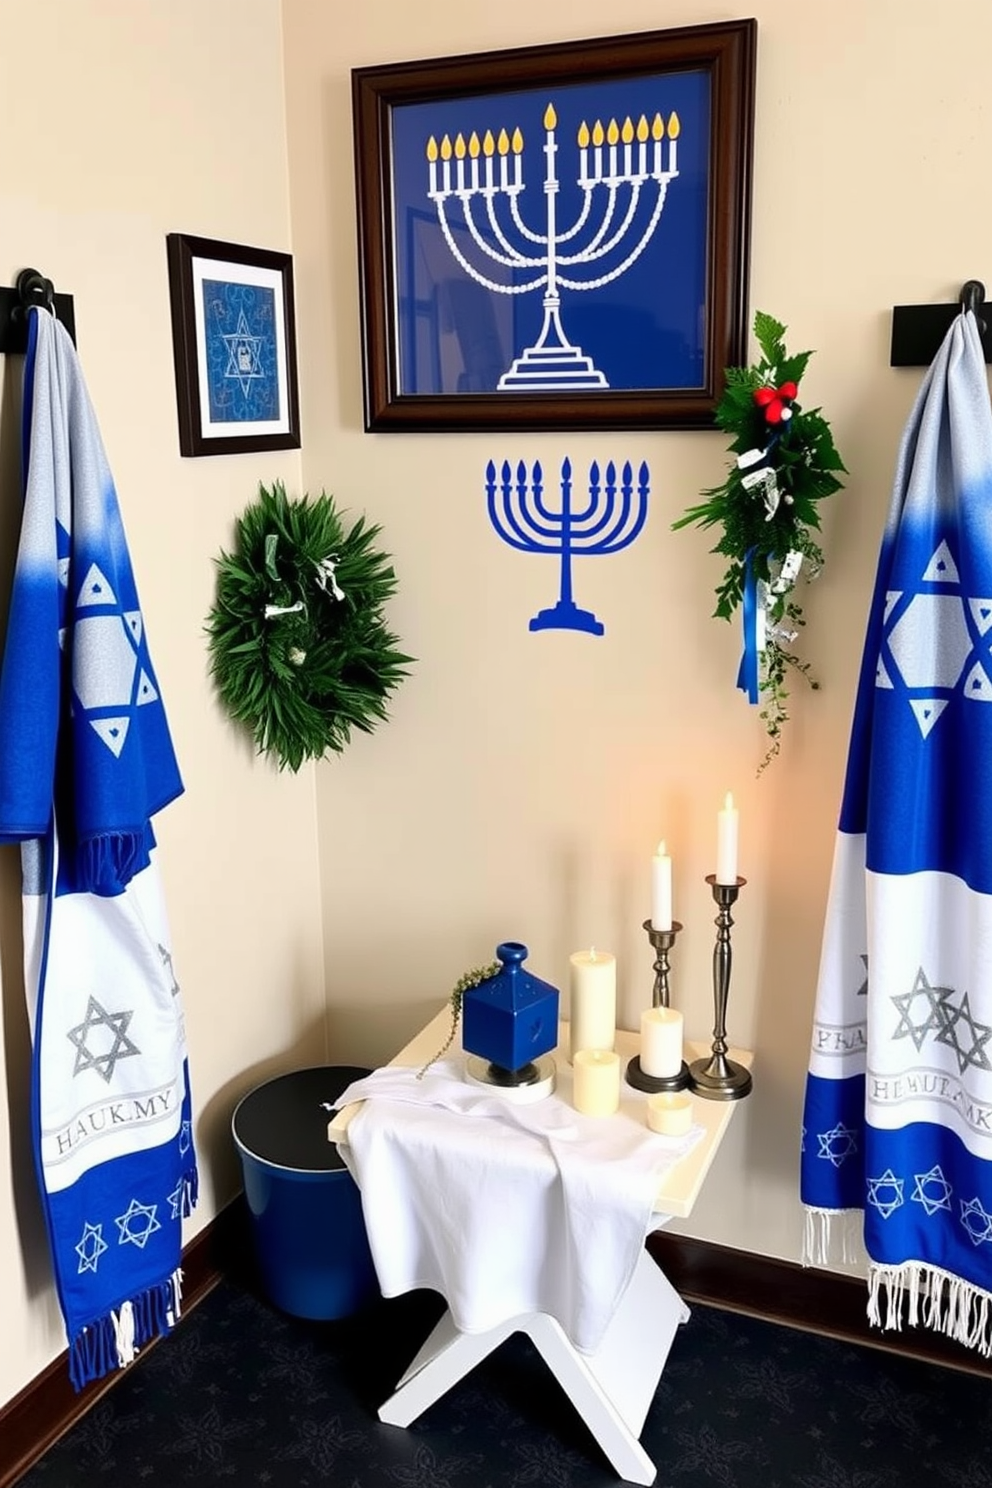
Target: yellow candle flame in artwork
(627, 132)
(445, 148)
(613, 132)
(584, 135)
(643, 129)
(674, 127)
(517, 142)
(550, 117)
(597, 133)
(657, 127)
(473, 146)
(460, 146)
(432, 149)
(488, 143)
(503, 143)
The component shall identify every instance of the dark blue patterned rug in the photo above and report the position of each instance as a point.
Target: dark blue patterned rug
(242, 1394)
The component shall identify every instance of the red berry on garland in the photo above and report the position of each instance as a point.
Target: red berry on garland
(776, 402)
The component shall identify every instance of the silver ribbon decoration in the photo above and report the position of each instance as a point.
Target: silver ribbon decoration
(768, 593)
(326, 576)
(764, 477)
(272, 610)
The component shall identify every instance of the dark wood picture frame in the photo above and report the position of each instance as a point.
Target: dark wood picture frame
(266, 345)
(726, 53)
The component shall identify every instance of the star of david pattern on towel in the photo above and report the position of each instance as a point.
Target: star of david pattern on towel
(104, 1061)
(886, 1193)
(838, 1144)
(976, 1221)
(90, 1248)
(185, 1137)
(936, 642)
(109, 681)
(244, 362)
(137, 1224)
(932, 1190)
(929, 1010)
(170, 970)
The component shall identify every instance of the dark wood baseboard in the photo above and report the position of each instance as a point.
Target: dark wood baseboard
(47, 1407)
(826, 1302)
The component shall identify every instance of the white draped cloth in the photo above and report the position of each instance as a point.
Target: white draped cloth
(506, 1209)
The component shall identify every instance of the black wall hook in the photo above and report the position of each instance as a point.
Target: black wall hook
(918, 330)
(32, 288)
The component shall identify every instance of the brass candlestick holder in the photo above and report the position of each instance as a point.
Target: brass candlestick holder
(720, 1078)
(662, 942)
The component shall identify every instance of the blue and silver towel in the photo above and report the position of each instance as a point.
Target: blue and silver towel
(898, 1118)
(85, 761)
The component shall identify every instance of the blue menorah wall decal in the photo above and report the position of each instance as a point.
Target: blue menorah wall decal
(608, 522)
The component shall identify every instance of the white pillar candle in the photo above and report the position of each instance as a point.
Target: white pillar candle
(661, 889)
(670, 1113)
(596, 1081)
(726, 842)
(661, 1042)
(592, 982)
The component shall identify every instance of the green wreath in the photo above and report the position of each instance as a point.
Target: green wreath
(300, 653)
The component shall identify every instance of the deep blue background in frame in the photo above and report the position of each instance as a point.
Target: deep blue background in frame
(239, 393)
(646, 329)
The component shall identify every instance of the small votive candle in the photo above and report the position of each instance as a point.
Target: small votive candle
(661, 1042)
(596, 1082)
(670, 1113)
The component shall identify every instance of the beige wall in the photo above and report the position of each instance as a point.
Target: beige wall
(524, 780)
(120, 121)
(522, 785)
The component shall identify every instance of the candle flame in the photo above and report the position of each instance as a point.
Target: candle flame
(627, 132)
(613, 132)
(460, 146)
(517, 142)
(550, 117)
(446, 148)
(597, 133)
(674, 127)
(584, 135)
(662, 849)
(473, 146)
(643, 129)
(503, 143)
(488, 143)
(728, 804)
(432, 148)
(657, 127)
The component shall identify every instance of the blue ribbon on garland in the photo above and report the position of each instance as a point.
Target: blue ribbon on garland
(747, 674)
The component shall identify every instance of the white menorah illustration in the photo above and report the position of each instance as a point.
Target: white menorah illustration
(611, 157)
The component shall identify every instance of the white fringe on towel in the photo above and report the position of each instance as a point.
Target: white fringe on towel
(933, 1298)
(829, 1231)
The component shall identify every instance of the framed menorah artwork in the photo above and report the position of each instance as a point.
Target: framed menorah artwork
(556, 237)
(234, 345)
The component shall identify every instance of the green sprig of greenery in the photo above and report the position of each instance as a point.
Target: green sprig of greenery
(807, 467)
(302, 677)
(470, 979)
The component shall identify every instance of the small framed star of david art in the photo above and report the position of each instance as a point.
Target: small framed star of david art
(234, 339)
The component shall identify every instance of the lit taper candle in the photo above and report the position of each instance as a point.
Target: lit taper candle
(726, 842)
(661, 889)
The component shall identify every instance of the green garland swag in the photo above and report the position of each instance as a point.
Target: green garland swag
(768, 509)
(300, 653)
